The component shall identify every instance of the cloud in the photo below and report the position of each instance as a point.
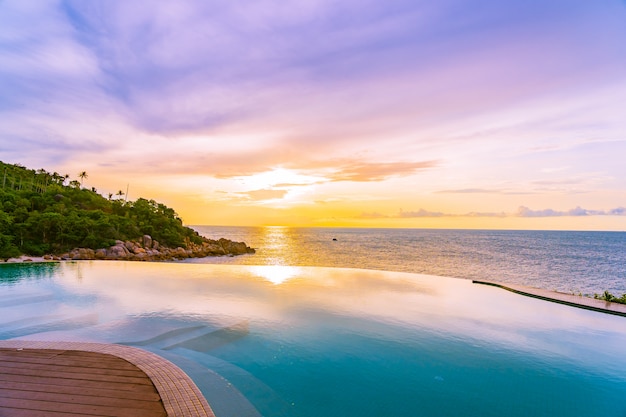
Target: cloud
(372, 215)
(469, 191)
(420, 213)
(526, 212)
(261, 195)
(334, 170)
(378, 171)
(521, 212)
(619, 211)
(578, 211)
(485, 214)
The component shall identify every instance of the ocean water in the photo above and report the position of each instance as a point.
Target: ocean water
(289, 341)
(571, 262)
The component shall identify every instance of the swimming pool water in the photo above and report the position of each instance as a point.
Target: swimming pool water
(307, 341)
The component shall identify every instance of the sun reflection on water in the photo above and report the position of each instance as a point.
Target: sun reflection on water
(276, 240)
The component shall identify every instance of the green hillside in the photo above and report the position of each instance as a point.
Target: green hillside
(43, 212)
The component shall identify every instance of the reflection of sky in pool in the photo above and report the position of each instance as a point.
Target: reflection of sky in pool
(291, 341)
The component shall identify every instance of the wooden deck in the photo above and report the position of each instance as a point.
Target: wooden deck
(51, 379)
(47, 382)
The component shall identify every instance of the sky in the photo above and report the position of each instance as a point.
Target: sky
(398, 113)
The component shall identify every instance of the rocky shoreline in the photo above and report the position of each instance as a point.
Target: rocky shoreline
(147, 249)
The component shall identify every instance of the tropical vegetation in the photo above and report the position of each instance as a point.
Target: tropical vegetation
(43, 212)
(607, 296)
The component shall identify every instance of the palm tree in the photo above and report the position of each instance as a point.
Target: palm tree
(110, 195)
(82, 175)
(120, 193)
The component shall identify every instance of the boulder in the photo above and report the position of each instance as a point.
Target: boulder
(82, 254)
(117, 252)
(147, 241)
(180, 252)
(235, 248)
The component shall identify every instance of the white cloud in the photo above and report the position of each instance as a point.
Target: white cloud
(521, 212)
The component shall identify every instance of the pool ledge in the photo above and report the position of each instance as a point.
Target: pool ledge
(180, 396)
(562, 298)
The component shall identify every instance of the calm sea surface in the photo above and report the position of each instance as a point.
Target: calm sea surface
(573, 262)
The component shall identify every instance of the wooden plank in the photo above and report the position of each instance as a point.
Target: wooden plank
(20, 412)
(72, 368)
(67, 358)
(74, 383)
(87, 410)
(75, 367)
(74, 398)
(62, 389)
(85, 376)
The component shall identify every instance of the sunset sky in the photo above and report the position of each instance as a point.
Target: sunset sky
(396, 113)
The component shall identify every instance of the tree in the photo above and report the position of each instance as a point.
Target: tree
(82, 175)
(51, 217)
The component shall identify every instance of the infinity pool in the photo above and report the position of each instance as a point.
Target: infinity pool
(295, 341)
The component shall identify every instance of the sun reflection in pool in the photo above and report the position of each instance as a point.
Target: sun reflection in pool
(276, 274)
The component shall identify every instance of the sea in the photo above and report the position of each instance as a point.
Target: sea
(575, 262)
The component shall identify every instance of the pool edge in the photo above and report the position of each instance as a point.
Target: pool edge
(571, 300)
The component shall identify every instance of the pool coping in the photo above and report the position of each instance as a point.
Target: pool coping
(572, 300)
(180, 395)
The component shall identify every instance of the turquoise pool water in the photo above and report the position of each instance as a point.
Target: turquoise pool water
(306, 341)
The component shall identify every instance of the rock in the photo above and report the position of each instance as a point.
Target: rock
(213, 249)
(180, 253)
(82, 254)
(235, 248)
(117, 252)
(47, 257)
(147, 249)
